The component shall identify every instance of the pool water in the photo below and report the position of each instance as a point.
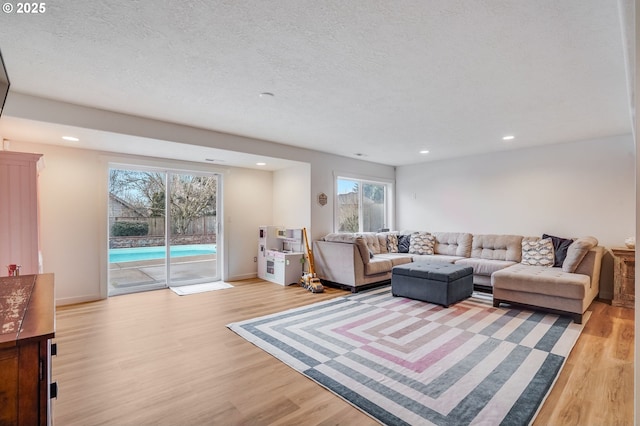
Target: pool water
(150, 253)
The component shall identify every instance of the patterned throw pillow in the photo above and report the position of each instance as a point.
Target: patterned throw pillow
(538, 253)
(392, 243)
(422, 243)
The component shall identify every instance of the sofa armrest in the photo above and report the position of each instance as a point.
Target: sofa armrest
(338, 262)
(591, 265)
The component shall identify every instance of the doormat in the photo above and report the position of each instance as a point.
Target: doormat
(184, 290)
(404, 361)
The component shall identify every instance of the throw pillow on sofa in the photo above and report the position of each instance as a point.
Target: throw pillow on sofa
(560, 246)
(538, 253)
(422, 243)
(404, 241)
(577, 251)
(392, 243)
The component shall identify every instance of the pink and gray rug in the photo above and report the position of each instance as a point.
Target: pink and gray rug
(404, 361)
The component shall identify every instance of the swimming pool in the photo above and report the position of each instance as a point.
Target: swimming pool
(149, 253)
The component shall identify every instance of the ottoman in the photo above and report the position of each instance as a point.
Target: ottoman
(441, 283)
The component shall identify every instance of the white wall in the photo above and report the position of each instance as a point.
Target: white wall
(248, 204)
(568, 190)
(291, 193)
(71, 211)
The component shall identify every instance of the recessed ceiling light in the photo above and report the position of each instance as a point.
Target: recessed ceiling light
(508, 138)
(70, 138)
(261, 164)
(424, 151)
(266, 95)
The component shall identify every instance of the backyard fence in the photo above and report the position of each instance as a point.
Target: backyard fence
(200, 230)
(205, 225)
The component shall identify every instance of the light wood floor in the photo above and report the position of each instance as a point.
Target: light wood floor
(162, 359)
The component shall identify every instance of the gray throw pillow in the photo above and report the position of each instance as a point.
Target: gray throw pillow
(403, 243)
(577, 251)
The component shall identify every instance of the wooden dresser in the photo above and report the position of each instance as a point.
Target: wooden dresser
(27, 325)
(624, 291)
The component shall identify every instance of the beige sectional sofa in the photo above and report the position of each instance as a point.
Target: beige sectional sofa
(357, 261)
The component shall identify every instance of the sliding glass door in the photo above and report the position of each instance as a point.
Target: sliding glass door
(163, 229)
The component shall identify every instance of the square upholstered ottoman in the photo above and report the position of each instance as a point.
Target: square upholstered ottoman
(441, 283)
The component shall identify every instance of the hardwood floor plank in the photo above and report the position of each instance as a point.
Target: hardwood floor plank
(163, 359)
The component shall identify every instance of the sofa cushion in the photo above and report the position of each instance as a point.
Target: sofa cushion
(484, 267)
(436, 258)
(396, 258)
(378, 265)
(362, 249)
(340, 237)
(453, 243)
(497, 247)
(422, 243)
(371, 240)
(538, 253)
(404, 241)
(577, 251)
(383, 238)
(560, 246)
(541, 280)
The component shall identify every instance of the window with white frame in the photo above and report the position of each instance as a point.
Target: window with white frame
(361, 206)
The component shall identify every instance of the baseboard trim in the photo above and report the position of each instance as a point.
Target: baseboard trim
(76, 300)
(241, 277)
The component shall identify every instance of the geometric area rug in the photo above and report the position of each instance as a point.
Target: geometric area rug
(404, 361)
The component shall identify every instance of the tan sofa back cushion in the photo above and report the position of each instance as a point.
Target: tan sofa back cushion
(336, 237)
(349, 238)
(382, 242)
(371, 240)
(577, 251)
(453, 243)
(497, 247)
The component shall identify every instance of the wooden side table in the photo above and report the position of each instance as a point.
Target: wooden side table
(624, 292)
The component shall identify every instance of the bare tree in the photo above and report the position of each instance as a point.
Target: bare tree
(190, 196)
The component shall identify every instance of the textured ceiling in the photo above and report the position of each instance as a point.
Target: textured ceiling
(381, 78)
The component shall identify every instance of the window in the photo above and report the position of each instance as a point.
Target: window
(361, 206)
